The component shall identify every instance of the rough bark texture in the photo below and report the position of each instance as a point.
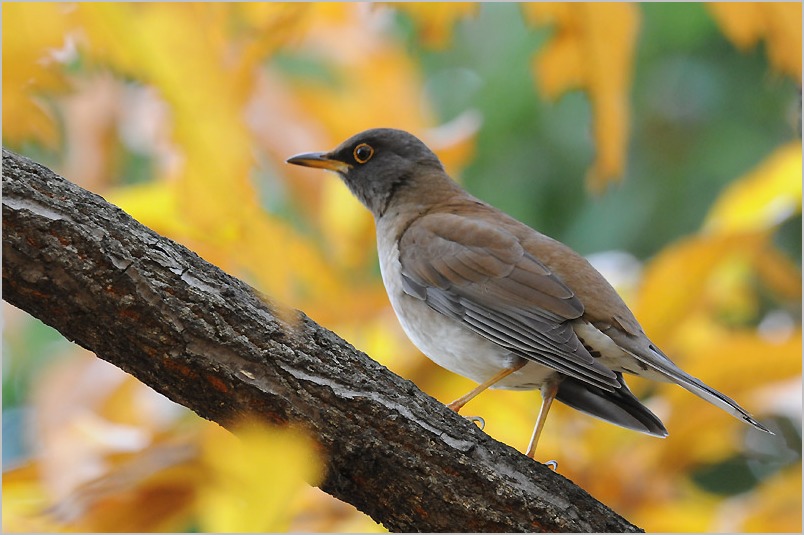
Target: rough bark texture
(208, 341)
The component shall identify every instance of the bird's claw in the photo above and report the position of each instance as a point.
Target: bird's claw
(480, 422)
(553, 465)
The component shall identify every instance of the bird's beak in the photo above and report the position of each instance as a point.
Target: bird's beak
(320, 160)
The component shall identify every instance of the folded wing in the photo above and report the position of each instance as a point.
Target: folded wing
(478, 274)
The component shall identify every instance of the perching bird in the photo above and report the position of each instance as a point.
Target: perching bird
(487, 297)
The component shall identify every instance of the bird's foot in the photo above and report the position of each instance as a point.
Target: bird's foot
(553, 465)
(479, 421)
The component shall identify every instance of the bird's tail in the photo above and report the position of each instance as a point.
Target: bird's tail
(663, 368)
(675, 374)
(703, 391)
(619, 407)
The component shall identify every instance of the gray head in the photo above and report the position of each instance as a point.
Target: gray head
(375, 164)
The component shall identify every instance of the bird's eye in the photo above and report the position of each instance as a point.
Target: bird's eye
(363, 153)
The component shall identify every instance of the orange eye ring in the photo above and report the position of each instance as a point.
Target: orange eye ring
(363, 153)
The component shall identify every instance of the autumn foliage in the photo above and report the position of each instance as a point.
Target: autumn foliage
(183, 114)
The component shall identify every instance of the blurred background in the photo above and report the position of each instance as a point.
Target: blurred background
(662, 141)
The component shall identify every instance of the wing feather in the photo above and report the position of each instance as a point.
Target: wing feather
(479, 274)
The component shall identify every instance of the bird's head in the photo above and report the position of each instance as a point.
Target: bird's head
(375, 164)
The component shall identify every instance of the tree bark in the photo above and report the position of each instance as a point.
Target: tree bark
(211, 343)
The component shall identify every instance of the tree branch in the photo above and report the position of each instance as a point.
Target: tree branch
(208, 341)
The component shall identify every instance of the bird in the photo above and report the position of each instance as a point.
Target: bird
(489, 298)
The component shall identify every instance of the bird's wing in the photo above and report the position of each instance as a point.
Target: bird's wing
(478, 273)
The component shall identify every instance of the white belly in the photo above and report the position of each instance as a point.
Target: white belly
(445, 341)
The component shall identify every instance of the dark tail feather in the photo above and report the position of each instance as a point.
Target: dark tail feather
(620, 407)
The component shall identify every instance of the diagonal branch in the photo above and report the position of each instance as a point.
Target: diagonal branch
(207, 340)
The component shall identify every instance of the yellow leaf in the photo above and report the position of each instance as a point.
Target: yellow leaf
(775, 507)
(780, 273)
(210, 204)
(286, 265)
(765, 197)
(559, 67)
(592, 48)
(692, 510)
(25, 500)
(255, 478)
(436, 20)
(152, 490)
(31, 33)
(687, 278)
(197, 78)
(366, 70)
(154, 205)
(347, 226)
(262, 28)
(779, 23)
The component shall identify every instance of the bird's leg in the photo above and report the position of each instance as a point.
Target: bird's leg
(458, 404)
(549, 391)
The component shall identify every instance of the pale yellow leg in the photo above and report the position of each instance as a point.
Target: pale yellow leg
(458, 404)
(549, 391)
